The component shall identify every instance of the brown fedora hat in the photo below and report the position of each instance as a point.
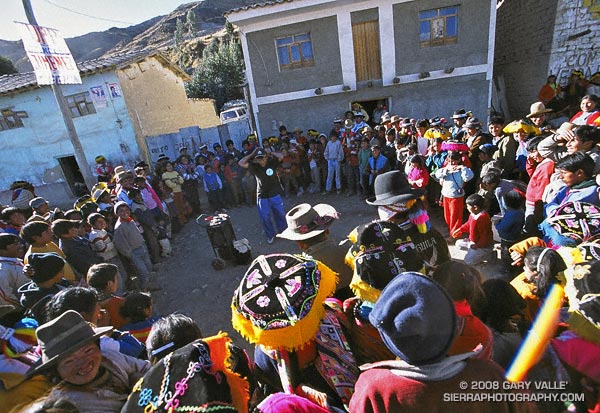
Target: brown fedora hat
(63, 336)
(305, 221)
(393, 187)
(537, 109)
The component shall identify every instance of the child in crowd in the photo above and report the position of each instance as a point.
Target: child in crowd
(146, 219)
(540, 171)
(84, 300)
(453, 178)
(352, 165)
(39, 237)
(418, 177)
(249, 188)
(104, 278)
(12, 220)
(46, 280)
(11, 269)
(77, 249)
(479, 227)
(492, 189)
(233, 175)
(334, 155)
(173, 180)
(288, 173)
(130, 243)
(104, 246)
(364, 153)
(213, 187)
(436, 158)
(314, 163)
(137, 311)
(510, 226)
(463, 284)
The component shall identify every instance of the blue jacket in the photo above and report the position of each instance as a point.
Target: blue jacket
(586, 191)
(511, 225)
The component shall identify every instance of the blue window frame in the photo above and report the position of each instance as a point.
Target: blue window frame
(294, 51)
(438, 27)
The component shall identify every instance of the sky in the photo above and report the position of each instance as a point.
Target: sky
(77, 17)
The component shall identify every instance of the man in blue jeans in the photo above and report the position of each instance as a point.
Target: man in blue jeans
(264, 167)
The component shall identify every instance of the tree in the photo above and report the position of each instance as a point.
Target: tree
(6, 66)
(190, 23)
(178, 40)
(219, 75)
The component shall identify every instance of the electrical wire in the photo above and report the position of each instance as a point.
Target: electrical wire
(87, 15)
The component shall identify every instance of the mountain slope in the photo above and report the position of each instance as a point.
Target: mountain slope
(156, 33)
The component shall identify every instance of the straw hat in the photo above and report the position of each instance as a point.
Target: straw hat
(305, 221)
(537, 109)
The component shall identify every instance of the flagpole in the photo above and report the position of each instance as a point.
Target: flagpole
(82, 162)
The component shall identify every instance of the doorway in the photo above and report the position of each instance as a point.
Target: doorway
(73, 175)
(371, 105)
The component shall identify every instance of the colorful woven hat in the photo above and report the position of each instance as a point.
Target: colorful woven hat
(279, 302)
(579, 221)
(196, 378)
(382, 250)
(583, 291)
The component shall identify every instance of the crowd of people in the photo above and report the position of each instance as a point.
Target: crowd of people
(384, 322)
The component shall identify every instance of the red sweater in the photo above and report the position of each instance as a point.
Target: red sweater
(379, 390)
(540, 178)
(479, 228)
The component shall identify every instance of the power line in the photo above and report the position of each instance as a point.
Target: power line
(87, 15)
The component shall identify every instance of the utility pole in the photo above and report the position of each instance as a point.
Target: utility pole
(84, 167)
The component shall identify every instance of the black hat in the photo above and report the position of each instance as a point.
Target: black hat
(140, 164)
(393, 187)
(45, 266)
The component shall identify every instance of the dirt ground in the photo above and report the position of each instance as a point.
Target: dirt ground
(191, 286)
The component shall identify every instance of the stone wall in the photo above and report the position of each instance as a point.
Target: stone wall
(576, 32)
(536, 38)
(523, 46)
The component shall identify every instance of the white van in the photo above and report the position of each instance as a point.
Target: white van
(234, 114)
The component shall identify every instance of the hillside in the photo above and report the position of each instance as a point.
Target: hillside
(156, 33)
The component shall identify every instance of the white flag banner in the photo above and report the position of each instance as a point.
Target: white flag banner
(49, 55)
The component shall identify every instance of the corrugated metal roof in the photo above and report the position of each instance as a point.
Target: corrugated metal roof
(256, 6)
(18, 81)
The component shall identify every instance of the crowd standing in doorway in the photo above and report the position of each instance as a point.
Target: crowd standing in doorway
(386, 322)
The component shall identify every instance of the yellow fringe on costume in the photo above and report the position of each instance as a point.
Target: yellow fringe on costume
(363, 290)
(296, 336)
(221, 357)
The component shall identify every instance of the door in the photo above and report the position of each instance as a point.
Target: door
(367, 56)
(73, 175)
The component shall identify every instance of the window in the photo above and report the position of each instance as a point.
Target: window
(294, 51)
(80, 104)
(10, 120)
(438, 27)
